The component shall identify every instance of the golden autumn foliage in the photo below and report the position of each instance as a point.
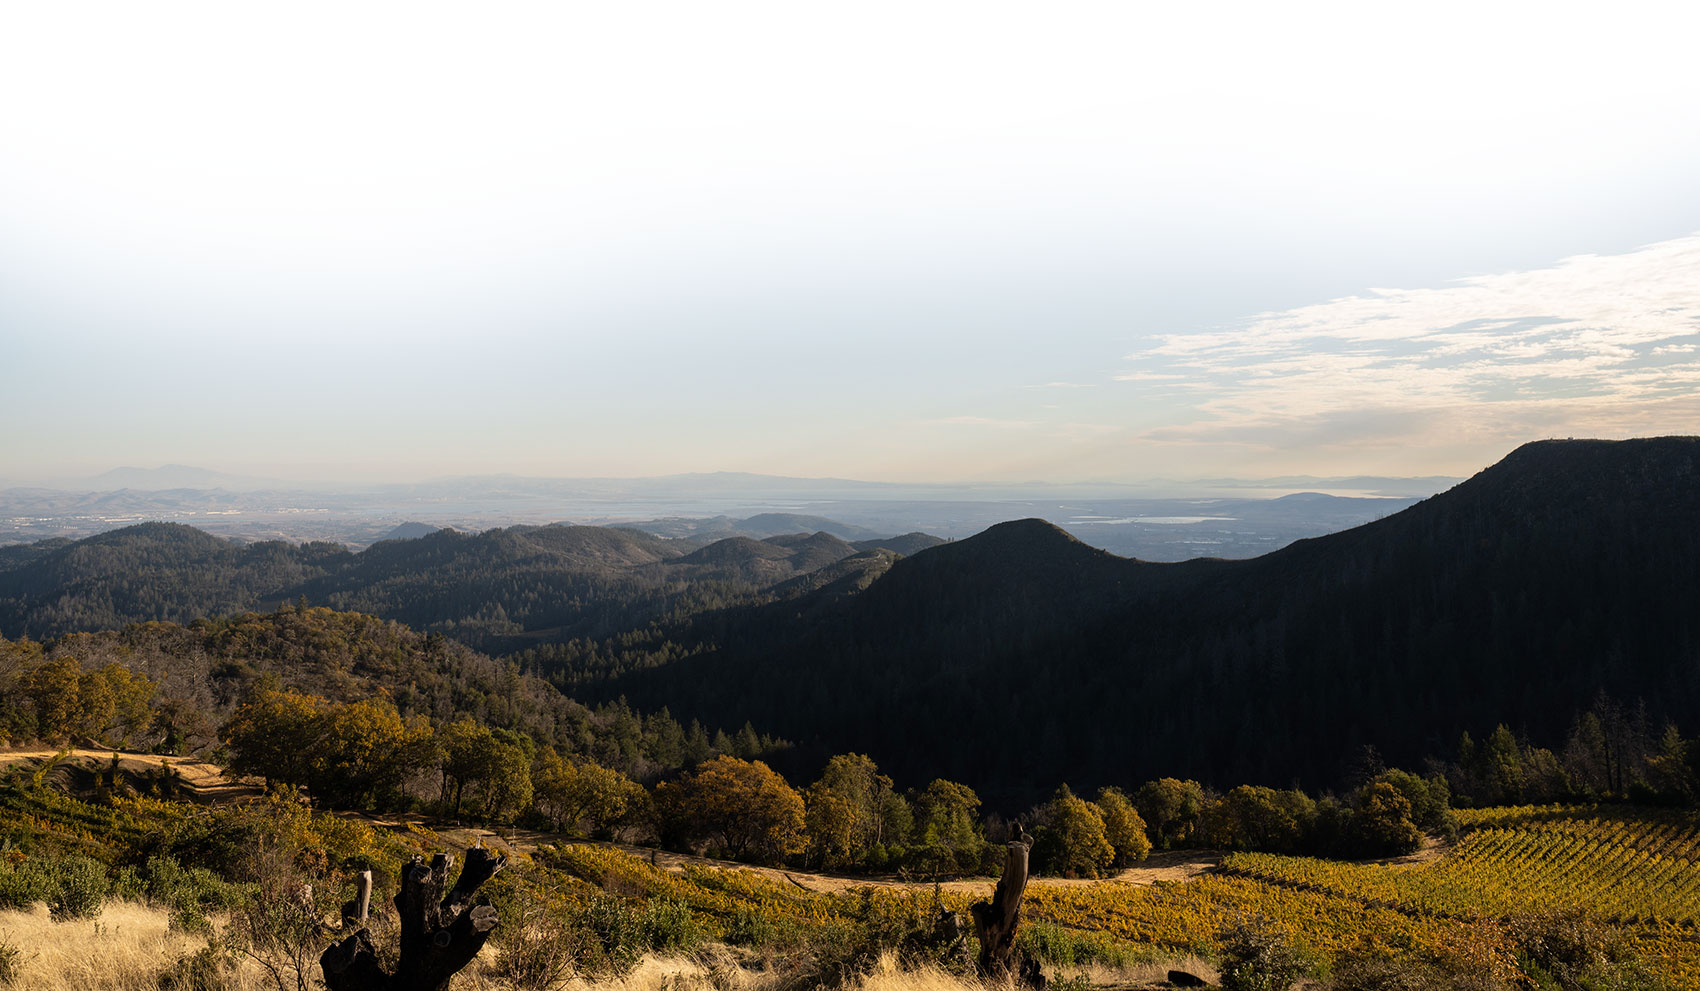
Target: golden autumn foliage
(741, 808)
(351, 752)
(572, 792)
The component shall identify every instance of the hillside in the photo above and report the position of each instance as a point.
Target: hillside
(497, 590)
(1020, 657)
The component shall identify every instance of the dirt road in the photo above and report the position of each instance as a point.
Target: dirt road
(202, 781)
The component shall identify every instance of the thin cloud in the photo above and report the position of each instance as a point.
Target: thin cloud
(1591, 344)
(1065, 385)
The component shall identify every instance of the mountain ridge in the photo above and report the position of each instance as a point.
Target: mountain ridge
(1566, 569)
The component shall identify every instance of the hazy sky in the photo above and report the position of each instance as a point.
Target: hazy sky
(889, 241)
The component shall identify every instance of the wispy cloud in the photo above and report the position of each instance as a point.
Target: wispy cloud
(1592, 344)
(1064, 385)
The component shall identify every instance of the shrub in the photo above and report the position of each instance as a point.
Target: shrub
(537, 949)
(190, 920)
(1258, 955)
(1574, 950)
(205, 970)
(24, 883)
(610, 936)
(174, 886)
(79, 891)
(760, 929)
(1064, 947)
(668, 925)
(1378, 971)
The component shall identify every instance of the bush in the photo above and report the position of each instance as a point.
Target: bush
(610, 937)
(1064, 947)
(762, 930)
(73, 887)
(1372, 971)
(1570, 950)
(190, 920)
(80, 889)
(174, 886)
(25, 882)
(1258, 955)
(206, 970)
(668, 926)
(537, 949)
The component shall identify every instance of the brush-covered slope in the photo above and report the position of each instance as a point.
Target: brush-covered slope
(1019, 657)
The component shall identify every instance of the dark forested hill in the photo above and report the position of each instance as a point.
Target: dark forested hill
(153, 571)
(1020, 657)
(497, 590)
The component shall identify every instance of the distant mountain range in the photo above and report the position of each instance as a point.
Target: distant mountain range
(173, 477)
(1245, 523)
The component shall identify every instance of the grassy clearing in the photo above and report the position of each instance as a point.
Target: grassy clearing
(128, 947)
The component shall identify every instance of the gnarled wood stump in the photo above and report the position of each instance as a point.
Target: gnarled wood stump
(440, 934)
(996, 921)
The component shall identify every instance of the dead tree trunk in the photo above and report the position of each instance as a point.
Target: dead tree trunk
(440, 934)
(995, 921)
(354, 912)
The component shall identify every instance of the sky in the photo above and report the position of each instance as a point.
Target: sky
(903, 242)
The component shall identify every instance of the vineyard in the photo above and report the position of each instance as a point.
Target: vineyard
(1626, 866)
(1636, 867)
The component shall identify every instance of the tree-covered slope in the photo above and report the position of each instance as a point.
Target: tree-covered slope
(1020, 657)
(498, 590)
(150, 572)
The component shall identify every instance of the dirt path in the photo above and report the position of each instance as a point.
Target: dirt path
(204, 782)
(1432, 848)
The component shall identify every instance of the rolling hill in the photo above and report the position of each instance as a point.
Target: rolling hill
(496, 590)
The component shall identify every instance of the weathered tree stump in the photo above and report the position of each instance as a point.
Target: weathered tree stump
(354, 912)
(996, 921)
(440, 934)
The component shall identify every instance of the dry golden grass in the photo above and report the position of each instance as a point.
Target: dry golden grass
(709, 968)
(126, 948)
(130, 945)
(887, 975)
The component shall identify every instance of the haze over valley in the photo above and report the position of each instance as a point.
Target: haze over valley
(1160, 521)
